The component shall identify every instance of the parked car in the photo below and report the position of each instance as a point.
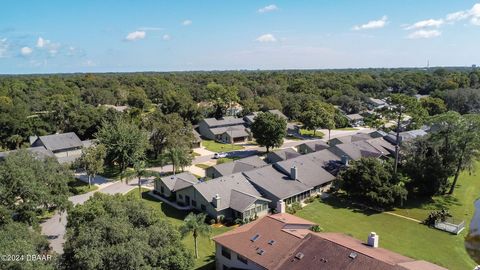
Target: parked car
(220, 155)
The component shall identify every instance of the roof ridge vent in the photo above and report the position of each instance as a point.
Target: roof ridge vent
(299, 255)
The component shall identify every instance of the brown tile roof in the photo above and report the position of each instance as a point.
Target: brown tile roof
(339, 251)
(267, 228)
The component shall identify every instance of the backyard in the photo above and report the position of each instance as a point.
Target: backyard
(220, 147)
(402, 235)
(206, 247)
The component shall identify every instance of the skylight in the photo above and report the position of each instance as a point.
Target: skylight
(255, 237)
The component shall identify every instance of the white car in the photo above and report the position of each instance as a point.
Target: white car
(219, 155)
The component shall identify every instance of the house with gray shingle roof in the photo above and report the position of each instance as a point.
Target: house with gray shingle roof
(355, 151)
(282, 154)
(350, 138)
(240, 165)
(66, 147)
(249, 119)
(227, 129)
(39, 152)
(167, 186)
(231, 196)
(312, 146)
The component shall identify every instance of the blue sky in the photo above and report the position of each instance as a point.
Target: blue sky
(102, 36)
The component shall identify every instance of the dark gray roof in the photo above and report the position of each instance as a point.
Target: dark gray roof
(223, 186)
(233, 131)
(284, 154)
(309, 172)
(323, 157)
(355, 151)
(38, 151)
(196, 136)
(315, 145)
(406, 135)
(275, 182)
(239, 201)
(354, 116)
(249, 118)
(62, 141)
(225, 121)
(382, 145)
(179, 181)
(351, 138)
(240, 165)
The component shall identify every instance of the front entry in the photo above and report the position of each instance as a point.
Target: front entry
(187, 200)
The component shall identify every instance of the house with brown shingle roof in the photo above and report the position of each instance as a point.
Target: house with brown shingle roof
(285, 242)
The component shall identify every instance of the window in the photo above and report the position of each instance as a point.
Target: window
(162, 190)
(194, 203)
(203, 207)
(259, 208)
(226, 253)
(242, 259)
(265, 206)
(180, 196)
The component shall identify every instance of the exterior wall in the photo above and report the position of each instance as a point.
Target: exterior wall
(266, 194)
(158, 188)
(205, 130)
(233, 262)
(303, 149)
(259, 208)
(225, 138)
(199, 201)
(69, 152)
(197, 144)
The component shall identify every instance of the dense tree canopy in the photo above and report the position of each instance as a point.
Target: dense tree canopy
(30, 185)
(372, 182)
(121, 232)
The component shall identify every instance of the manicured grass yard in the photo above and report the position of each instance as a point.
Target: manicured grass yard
(401, 235)
(206, 247)
(305, 132)
(78, 187)
(347, 128)
(203, 166)
(220, 147)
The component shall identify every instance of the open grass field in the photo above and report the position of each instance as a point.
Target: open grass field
(402, 235)
(220, 147)
(206, 247)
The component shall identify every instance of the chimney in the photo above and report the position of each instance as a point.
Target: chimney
(373, 240)
(345, 160)
(216, 200)
(294, 173)
(280, 206)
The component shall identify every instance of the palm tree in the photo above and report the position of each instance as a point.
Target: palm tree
(196, 225)
(139, 168)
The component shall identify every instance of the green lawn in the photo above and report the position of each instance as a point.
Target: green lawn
(220, 147)
(347, 128)
(405, 236)
(305, 132)
(114, 173)
(206, 247)
(78, 187)
(203, 166)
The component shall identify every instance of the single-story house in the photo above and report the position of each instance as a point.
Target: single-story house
(168, 186)
(382, 145)
(405, 136)
(240, 165)
(312, 146)
(231, 197)
(350, 138)
(355, 119)
(376, 103)
(66, 147)
(286, 242)
(249, 119)
(355, 151)
(227, 129)
(282, 154)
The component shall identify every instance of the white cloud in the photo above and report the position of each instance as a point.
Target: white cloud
(372, 24)
(136, 35)
(425, 24)
(266, 38)
(472, 14)
(268, 8)
(166, 37)
(41, 42)
(186, 22)
(26, 51)
(3, 47)
(424, 34)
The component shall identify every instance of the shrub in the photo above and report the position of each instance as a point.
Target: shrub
(221, 218)
(310, 199)
(436, 215)
(316, 228)
(239, 221)
(212, 221)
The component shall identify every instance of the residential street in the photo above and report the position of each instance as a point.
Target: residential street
(54, 228)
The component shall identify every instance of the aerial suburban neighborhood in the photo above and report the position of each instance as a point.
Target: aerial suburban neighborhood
(239, 135)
